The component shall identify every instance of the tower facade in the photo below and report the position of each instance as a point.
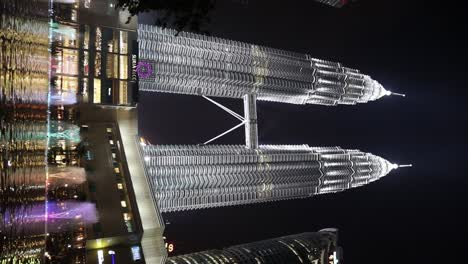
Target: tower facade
(202, 65)
(185, 177)
(305, 248)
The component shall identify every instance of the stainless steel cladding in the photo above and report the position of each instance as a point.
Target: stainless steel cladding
(185, 177)
(202, 65)
(305, 248)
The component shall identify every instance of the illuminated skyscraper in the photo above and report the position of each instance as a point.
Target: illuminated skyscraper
(184, 177)
(189, 177)
(305, 248)
(202, 65)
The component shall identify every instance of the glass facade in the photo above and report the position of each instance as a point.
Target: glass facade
(97, 91)
(123, 42)
(123, 67)
(123, 93)
(67, 62)
(111, 64)
(98, 43)
(97, 53)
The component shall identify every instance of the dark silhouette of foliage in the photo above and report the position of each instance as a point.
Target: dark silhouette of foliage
(180, 15)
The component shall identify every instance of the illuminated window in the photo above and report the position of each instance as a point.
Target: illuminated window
(65, 36)
(74, 15)
(85, 90)
(136, 255)
(97, 64)
(123, 67)
(86, 63)
(116, 170)
(113, 155)
(112, 66)
(86, 37)
(127, 217)
(97, 91)
(87, 3)
(123, 93)
(123, 42)
(119, 186)
(98, 38)
(111, 142)
(112, 44)
(109, 130)
(67, 62)
(67, 84)
(123, 203)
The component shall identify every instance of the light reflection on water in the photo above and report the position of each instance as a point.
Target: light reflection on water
(31, 148)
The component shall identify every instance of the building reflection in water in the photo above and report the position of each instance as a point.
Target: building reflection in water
(43, 207)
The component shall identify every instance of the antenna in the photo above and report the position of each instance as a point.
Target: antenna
(405, 166)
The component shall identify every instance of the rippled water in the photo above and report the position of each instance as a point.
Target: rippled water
(41, 182)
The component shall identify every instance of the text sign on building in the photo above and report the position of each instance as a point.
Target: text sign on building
(134, 67)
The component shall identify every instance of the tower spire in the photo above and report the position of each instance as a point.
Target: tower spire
(405, 165)
(398, 94)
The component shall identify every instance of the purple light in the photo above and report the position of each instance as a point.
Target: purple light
(57, 216)
(144, 70)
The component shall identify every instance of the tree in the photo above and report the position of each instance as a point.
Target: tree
(180, 15)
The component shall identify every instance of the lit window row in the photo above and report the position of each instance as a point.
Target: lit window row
(127, 216)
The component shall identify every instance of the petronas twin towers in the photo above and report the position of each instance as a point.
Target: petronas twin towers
(185, 177)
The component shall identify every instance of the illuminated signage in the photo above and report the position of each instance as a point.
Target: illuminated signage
(136, 253)
(169, 247)
(100, 255)
(134, 67)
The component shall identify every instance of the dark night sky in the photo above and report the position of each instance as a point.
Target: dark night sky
(414, 215)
